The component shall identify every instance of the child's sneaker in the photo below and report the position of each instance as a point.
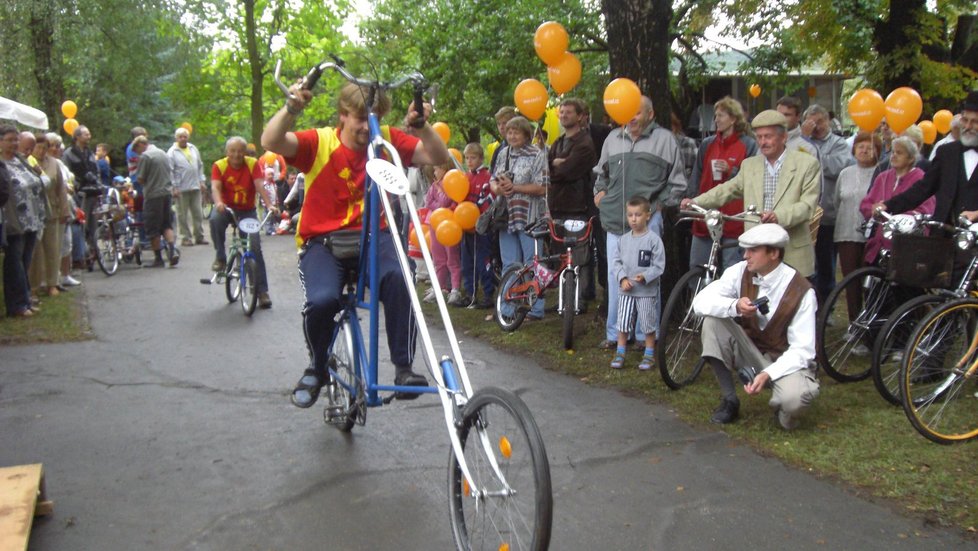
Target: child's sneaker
(618, 362)
(646, 363)
(455, 298)
(429, 297)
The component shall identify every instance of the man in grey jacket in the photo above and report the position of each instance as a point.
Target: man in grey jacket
(188, 183)
(834, 154)
(641, 159)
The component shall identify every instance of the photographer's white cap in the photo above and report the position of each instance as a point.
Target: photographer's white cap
(771, 235)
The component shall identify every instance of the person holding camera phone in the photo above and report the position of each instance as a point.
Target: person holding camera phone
(759, 320)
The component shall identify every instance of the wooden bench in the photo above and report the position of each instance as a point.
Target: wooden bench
(22, 497)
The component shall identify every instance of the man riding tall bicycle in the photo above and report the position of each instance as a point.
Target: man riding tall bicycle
(334, 162)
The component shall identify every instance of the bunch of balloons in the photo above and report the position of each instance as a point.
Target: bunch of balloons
(69, 109)
(902, 108)
(563, 68)
(449, 224)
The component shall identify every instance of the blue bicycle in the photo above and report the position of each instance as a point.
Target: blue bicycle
(499, 486)
(240, 274)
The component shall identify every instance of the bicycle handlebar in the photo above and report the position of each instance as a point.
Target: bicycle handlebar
(699, 213)
(312, 77)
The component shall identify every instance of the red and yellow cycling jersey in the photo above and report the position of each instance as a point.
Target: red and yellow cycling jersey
(238, 184)
(335, 177)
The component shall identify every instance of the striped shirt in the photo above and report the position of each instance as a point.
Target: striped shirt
(771, 180)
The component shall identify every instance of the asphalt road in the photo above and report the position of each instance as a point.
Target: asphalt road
(173, 430)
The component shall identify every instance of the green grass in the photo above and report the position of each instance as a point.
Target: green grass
(61, 319)
(850, 435)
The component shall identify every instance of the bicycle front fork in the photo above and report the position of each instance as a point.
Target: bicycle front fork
(576, 299)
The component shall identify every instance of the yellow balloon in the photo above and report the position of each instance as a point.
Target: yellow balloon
(448, 233)
(531, 98)
(942, 121)
(929, 130)
(443, 131)
(70, 125)
(622, 100)
(466, 214)
(69, 109)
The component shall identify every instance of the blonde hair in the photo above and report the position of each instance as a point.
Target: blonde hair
(733, 108)
(353, 101)
(474, 149)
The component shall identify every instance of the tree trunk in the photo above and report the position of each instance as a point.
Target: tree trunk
(49, 83)
(638, 48)
(255, 63)
(895, 40)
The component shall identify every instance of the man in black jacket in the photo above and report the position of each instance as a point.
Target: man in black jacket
(952, 178)
(81, 162)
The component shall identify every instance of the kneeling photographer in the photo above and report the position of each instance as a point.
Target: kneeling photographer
(759, 322)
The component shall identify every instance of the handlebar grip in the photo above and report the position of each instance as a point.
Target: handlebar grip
(312, 77)
(418, 107)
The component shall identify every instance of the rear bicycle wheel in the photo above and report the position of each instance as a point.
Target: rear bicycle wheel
(511, 506)
(343, 406)
(843, 338)
(107, 252)
(569, 292)
(232, 279)
(248, 285)
(512, 306)
(679, 351)
(893, 338)
(939, 374)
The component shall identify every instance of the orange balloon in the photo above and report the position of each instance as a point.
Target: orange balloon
(269, 158)
(531, 98)
(466, 214)
(456, 185)
(565, 74)
(866, 108)
(413, 235)
(622, 100)
(456, 153)
(69, 109)
(929, 130)
(70, 125)
(903, 108)
(188, 127)
(440, 215)
(550, 41)
(448, 233)
(812, 91)
(443, 131)
(942, 121)
(755, 90)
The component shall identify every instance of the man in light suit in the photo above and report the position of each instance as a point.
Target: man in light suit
(782, 184)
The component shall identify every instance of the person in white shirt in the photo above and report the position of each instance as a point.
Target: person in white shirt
(768, 345)
(952, 136)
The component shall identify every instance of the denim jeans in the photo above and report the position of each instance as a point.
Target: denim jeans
(16, 260)
(611, 324)
(219, 223)
(824, 262)
(477, 264)
(517, 248)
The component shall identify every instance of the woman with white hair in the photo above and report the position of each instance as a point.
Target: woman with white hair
(901, 175)
(188, 183)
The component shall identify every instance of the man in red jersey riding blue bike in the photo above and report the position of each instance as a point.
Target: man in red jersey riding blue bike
(334, 162)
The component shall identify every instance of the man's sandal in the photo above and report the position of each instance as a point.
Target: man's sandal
(306, 391)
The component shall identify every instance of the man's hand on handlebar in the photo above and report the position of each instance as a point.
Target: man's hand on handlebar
(221, 207)
(412, 115)
(971, 215)
(768, 217)
(685, 203)
(300, 98)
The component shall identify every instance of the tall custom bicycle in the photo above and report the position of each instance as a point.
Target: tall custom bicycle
(499, 486)
(679, 350)
(240, 274)
(523, 284)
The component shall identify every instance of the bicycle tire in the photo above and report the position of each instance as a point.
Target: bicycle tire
(939, 394)
(838, 342)
(490, 517)
(570, 308)
(342, 407)
(106, 253)
(893, 337)
(679, 333)
(232, 279)
(510, 312)
(249, 286)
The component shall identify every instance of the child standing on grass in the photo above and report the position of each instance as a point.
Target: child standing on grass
(640, 262)
(448, 265)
